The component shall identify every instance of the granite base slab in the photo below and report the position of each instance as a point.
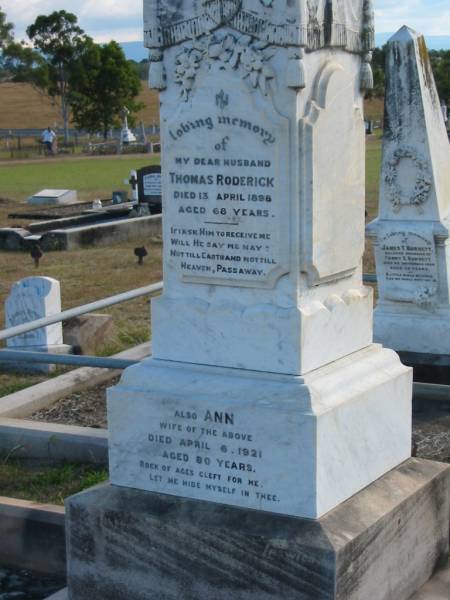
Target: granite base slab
(384, 543)
(435, 589)
(428, 368)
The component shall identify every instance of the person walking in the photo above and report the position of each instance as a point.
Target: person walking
(49, 140)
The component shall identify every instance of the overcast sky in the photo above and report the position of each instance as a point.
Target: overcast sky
(122, 19)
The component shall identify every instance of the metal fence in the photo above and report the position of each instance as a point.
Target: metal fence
(421, 390)
(17, 356)
(152, 129)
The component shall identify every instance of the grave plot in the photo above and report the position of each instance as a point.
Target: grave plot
(84, 225)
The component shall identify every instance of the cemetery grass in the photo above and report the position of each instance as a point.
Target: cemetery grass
(46, 483)
(91, 177)
(88, 275)
(373, 168)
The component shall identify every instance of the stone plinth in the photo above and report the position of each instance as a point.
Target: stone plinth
(290, 445)
(383, 544)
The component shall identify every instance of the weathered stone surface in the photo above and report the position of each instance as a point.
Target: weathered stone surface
(382, 544)
(87, 333)
(412, 229)
(438, 588)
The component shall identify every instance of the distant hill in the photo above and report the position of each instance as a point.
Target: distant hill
(136, 51)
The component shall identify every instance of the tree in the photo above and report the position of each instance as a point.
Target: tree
(378, 66)
(61, 43)
(6, 37)
(440, 61)
(23, 64)
(103, 82)
(6, 31)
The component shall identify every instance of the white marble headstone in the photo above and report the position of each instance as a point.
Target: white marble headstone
(264, 390)
(412, 230)
(30, 299)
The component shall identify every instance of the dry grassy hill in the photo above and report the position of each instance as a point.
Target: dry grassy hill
(22, 106)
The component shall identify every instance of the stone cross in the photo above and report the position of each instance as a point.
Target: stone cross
(133, 181)
(126, 136)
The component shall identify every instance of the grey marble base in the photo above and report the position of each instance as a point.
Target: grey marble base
(428, 368)
(382, 544)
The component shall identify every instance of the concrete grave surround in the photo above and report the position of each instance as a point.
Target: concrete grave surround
(411, 232)
(54, 197)
(30, 299)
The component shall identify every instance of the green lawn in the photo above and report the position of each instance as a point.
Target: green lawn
(47, 483)
(373, 167)
(91, 177)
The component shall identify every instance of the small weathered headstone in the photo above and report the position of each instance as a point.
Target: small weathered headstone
(149, 186)
(119, 196)
(412, 229)
(31, 299)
